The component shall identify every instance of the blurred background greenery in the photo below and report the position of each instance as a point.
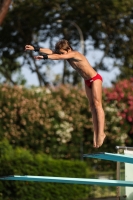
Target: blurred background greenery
(45, 130)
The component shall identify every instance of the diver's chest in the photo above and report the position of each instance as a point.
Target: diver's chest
(73, 63)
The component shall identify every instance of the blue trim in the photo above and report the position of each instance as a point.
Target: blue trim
(111, 156)
(50, 179)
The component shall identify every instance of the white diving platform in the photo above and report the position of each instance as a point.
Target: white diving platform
(50, 179)
(111, 156)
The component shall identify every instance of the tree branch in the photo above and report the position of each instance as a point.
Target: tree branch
(4, 9)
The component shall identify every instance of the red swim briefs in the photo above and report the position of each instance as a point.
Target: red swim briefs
(90, 81)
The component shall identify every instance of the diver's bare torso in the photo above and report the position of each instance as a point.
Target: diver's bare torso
(82, 66)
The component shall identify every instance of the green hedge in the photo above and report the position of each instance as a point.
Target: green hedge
(22, 162)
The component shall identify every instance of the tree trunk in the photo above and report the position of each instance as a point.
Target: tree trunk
(4, 5)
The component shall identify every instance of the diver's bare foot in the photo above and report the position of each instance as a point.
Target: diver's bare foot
(94, 140)
(94, 144)
(100, 140)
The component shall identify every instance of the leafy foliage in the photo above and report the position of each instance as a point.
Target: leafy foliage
(53, 117)
(121, 95)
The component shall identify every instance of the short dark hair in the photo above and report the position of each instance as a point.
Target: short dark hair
(62, 44)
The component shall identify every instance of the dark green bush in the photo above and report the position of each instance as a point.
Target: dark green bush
(22, 162)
